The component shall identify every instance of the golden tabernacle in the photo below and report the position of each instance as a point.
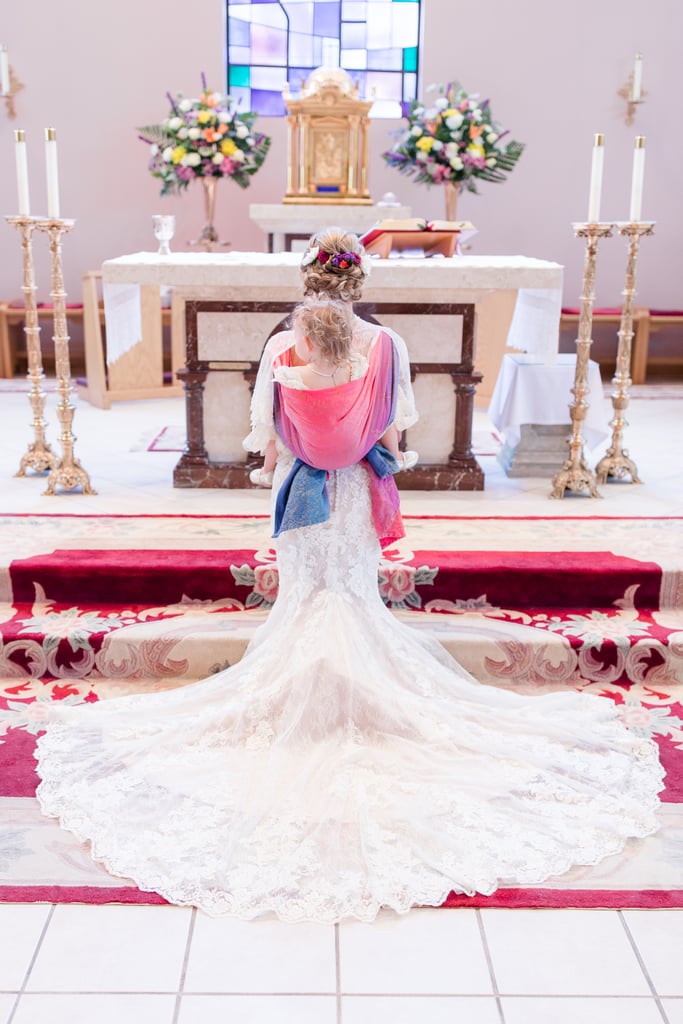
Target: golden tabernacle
(327, 141)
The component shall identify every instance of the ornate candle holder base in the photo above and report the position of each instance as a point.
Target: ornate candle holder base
(616, 464)
(575, 475)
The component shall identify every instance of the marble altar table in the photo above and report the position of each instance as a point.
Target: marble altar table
(285, 223)
(454, 314)
(530, 407)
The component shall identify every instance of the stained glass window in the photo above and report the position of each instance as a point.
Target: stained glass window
(274, 42)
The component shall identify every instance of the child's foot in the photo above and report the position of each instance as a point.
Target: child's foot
(407, 460)
(261, 477)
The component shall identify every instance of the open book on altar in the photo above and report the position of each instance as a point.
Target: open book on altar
(416, 235)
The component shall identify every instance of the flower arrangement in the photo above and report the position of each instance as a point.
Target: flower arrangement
(455, 139)
(204, 138)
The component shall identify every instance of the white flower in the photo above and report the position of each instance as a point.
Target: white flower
(492, 136)
(441, 103)
(174, 123)
(416, 131)
(217, 97)
(310, 255)
(451, 150)
(193, 133)
(217, 158)
(238, 157)
(167, 154)
(456, 163)
(249, 141)
(477, 114)
(241, 131)
(154, 150)
(454, 121)
(491, 162)
(224, 117)
(182, 133)
(437, 144)
(418, 112)
(185, 105)
(207, 150)
(191, 159)
(421, 155)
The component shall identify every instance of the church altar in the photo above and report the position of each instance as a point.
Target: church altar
(456, 316)
(285, 224)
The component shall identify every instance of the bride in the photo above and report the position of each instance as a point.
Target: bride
(347, 762)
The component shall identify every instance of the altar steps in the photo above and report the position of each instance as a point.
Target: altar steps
(115, 619)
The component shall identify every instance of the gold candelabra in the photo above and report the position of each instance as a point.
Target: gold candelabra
(616, 462)
(631, 105)
(39, 456)
(14, 86)
(68, 472)
(575, 474)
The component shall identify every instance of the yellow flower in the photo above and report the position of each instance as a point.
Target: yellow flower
(449, 112)
(178, 154)
(425, 142)
(475, 150)
(228, 147)
(204, 116)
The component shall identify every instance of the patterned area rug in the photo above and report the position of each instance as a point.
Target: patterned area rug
(98, 606)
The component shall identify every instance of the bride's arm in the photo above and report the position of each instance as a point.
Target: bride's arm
(262, 426)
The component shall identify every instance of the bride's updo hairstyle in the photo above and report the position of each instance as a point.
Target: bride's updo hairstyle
(335, 265)
(328, 325)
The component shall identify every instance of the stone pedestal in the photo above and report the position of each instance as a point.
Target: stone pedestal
(542, 448)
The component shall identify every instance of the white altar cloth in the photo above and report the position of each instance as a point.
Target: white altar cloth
(534, 288)
(527, 392)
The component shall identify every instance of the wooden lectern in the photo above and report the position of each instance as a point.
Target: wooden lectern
(431, 237)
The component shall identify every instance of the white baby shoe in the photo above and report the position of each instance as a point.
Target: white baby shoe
(407, 460)
(261, 478)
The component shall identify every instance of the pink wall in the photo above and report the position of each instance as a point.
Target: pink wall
(552, 71)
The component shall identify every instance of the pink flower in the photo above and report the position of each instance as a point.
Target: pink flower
(266, 582)
(396, 582)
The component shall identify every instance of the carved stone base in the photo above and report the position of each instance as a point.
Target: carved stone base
(467, 476)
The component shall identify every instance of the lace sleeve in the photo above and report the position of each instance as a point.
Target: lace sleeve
(406, 413)
(262, 427)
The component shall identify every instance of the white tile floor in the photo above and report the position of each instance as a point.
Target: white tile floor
(170, 965)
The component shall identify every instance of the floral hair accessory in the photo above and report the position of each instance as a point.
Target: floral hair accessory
(343, 260)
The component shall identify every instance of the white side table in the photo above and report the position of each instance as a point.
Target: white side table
(530, 407)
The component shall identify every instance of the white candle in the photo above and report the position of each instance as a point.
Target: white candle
(52, 173)
(596, 179)
(637, 87)
(22, 173)
(637, 180)
(4, 71)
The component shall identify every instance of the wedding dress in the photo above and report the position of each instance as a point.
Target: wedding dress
(346, 763)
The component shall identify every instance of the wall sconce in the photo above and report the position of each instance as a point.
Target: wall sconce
(9, 83)
(633, 91)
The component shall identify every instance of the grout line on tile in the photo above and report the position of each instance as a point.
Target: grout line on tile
(183, 970)
(489, 964)
(27, 975)
(643, 968)
(337, 972)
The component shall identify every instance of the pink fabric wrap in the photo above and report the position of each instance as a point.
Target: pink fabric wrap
(334, 428)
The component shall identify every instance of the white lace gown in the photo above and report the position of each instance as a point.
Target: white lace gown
(346, 763)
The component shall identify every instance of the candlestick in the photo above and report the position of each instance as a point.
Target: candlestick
(39, 456)
(637, 78)
(52, 173)
(68, 472)
(637, 179)
(616, 463)
(575, 474)
(22, 173)
(4, 71)
(596, 179)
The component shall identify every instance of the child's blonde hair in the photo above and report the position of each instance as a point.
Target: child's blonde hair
(328, 325)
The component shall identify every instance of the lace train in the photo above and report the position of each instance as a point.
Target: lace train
(346, 763)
